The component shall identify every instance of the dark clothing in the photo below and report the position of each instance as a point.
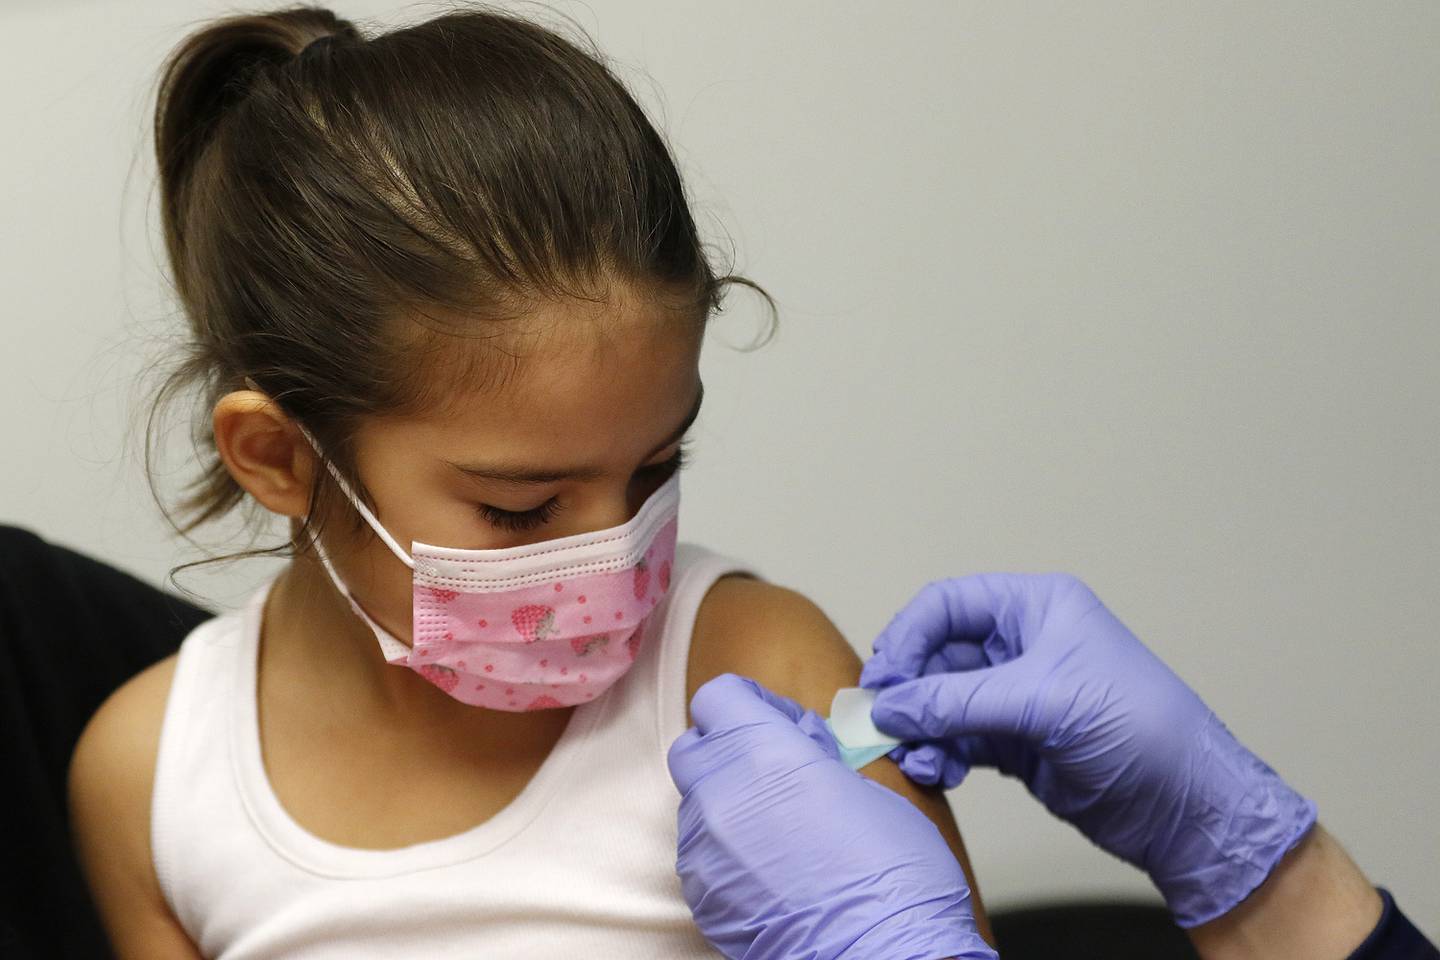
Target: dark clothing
(1120, 931)
(1395, 937)
(71, 631)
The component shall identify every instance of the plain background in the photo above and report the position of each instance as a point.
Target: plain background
(1142, 291)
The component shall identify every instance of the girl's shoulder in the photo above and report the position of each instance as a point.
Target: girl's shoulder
(114, 759)
(117, 753)
(111, 777)
(771, 634)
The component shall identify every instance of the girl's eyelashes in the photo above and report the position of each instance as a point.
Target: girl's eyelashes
(520, 520)
(674, 464)
(515, 520)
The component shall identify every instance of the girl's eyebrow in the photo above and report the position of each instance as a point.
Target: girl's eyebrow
(521, 474)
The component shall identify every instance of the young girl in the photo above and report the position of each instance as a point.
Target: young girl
(447, 303)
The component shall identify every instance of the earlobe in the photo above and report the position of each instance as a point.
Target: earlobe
(264, 451)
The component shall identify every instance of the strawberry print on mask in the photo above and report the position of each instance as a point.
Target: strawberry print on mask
(539, 641)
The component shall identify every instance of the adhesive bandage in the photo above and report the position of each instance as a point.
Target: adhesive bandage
(860, 743)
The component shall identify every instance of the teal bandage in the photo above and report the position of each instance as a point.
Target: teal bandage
(860, 743)
(857, 757)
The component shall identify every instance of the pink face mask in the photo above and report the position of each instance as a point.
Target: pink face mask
(550, 624)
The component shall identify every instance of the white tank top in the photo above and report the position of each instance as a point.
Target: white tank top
(543, 878)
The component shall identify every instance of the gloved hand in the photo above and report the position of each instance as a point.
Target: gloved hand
(1030, 673)
(786, 852)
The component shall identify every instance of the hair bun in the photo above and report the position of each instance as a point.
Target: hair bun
(332, 30)
(319, 44)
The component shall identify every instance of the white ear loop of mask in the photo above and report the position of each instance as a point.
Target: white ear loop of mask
(400, 553)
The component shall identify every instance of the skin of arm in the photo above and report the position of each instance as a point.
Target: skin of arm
(780, 638)
(110, 780)
(1316, 905)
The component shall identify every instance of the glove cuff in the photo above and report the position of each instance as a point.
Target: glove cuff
(942, 926)
(918, 935)
(1241, 819)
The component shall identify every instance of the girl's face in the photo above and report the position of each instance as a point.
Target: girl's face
(587, 427)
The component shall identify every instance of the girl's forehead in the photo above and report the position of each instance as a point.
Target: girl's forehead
(597, 377)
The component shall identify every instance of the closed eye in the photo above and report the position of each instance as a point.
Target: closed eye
(521, 520)
(675, 464)
(514, 520)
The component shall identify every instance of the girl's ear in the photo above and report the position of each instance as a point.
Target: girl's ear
(264, 451)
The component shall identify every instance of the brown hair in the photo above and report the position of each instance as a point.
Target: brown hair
(318, 185)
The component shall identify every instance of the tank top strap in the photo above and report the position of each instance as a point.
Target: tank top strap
(192, 766)
(699, 569)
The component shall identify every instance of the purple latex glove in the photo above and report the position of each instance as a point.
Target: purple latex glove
(785, 852)
(1032, 674)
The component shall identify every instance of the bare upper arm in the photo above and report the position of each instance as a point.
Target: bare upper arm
(781, 639)
(111, 776)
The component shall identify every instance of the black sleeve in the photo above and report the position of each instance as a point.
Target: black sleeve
(72, 629)
(1394, 937)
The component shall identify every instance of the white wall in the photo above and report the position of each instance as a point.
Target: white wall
(1144, 291)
